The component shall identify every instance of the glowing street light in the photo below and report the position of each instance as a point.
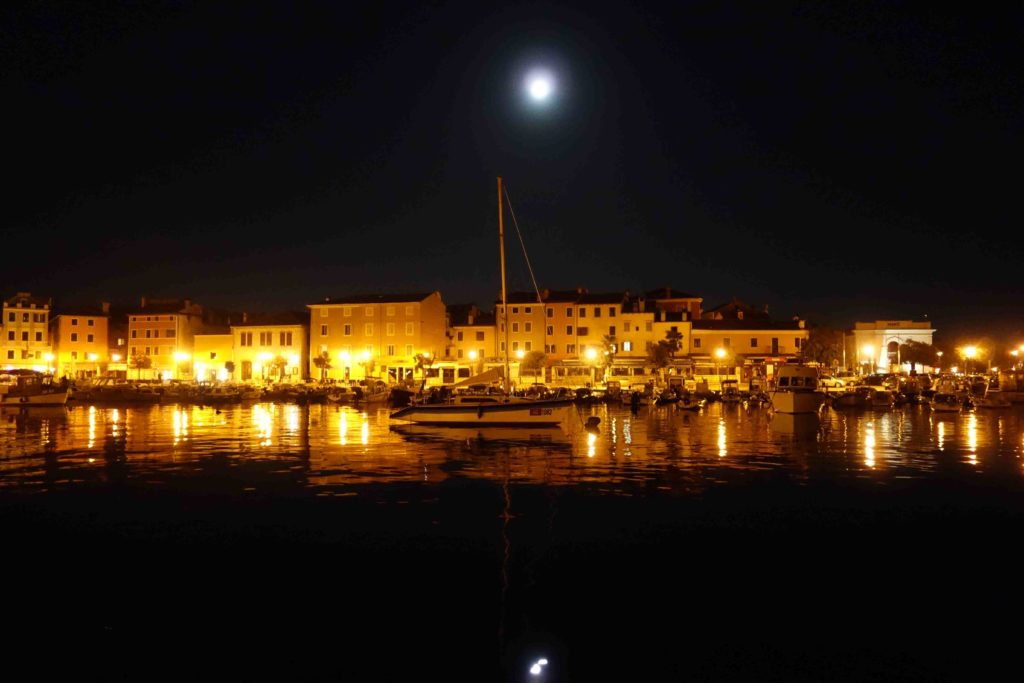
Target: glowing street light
(968, 352)
(869, 353)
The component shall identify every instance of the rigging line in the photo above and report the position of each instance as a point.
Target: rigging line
(523, 245)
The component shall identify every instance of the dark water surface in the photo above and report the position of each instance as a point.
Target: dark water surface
(285, 542)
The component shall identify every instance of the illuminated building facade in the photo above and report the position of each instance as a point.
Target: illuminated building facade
(25, 342)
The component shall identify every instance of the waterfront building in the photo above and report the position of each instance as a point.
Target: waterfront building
(160, 336)
(474, 342)
(376, 334)
(875, 346)
(25, 342)
(80, 341)
(269, 347)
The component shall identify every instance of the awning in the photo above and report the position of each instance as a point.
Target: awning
(485, 377)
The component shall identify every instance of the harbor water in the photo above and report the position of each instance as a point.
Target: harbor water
(289, 542)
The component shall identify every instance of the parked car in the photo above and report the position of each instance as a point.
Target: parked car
(830, 384)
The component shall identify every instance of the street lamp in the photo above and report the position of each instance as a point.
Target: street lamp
(179, 358)
(968, 352)
(591, 355)
(869, 353)
(719, 356)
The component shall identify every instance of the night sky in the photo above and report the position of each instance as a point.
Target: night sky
(836, 161)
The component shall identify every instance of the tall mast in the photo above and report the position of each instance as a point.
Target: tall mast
(504, 294)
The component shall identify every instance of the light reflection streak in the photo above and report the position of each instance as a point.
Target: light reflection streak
(92, 426)
(292, 418)
(722, 452)
(115, 418)
(261, 417)
(942, 435)
(627, 436)
(972, 439)
(180, 425)
(364, 431)
(343, 429)
(591, 444)
(869, 445)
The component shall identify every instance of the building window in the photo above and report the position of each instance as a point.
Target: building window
(627, 346)
(391, 349)
(515, 310)
(11, 317)
(480, 354)
(551, 312)
(10, 335)
(149, 334)
(480, 336)
(284, 339)
(390, 311)
(570, 348)
(74, 321)
(568, 330)
(368, 350)
(390, 331)
(611, 311)
(611, 331)
(347, 330)
(74, 355)
(323, 330)
(148, 349)
(597, 312)
(169, 334)
(503, 347)
(583, 312)
(528, 310)
(459, 354)
(246, 338)
(408, 349)
(39, 336)
(24, 317)
(88, 338)
(528, 327)
(135, 334)
(550, 330)
(753, 343)
(24, 336)
(10, 354)
(582, 331)
(156, 350)
(515, 327)
(515, 346)
(266, 338)
(458, 335)
(568, 311)
(347, 311)
(527, 346)
(369, 311)
(89, 322)
(408, 310)
(368, 329)
(410, 329)
(135, 351)
(696, 342)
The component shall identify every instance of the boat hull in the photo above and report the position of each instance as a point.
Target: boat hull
(57, 398)
(518, 414)
(797, 402)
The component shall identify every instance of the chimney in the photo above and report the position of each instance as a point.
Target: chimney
(105, 307)
(143, 303)
(245, 317)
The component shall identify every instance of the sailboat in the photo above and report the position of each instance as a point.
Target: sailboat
(492, 410)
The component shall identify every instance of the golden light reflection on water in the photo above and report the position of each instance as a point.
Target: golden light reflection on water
(326, 445)
(972, 438)
(869, 445)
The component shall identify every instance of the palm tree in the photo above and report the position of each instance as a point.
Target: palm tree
(423, 362)
(279, 363)
(533, 362)
(323, 363)
(230, 367)
(140, 363)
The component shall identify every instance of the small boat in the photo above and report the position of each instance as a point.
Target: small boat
(796, 390)
(731, 392)
(372, 391)
(853, 397)
(689, 403)
(30, 388)
(342, 394)
(882, 399)
(990, 399)
(220, 393)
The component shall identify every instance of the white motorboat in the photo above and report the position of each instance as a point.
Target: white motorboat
(796, 390)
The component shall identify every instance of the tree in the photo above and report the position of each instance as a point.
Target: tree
(534, 362)
(824, 345)
(279, 363)
(230, 367)
(423, 361)
(658, 355)
(671, 343)
(323, 363)
(915, 352)
(141, 363)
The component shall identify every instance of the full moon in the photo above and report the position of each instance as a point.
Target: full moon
(540, 88)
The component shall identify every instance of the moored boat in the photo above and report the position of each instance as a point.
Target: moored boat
(796, 390)
(30, 388)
